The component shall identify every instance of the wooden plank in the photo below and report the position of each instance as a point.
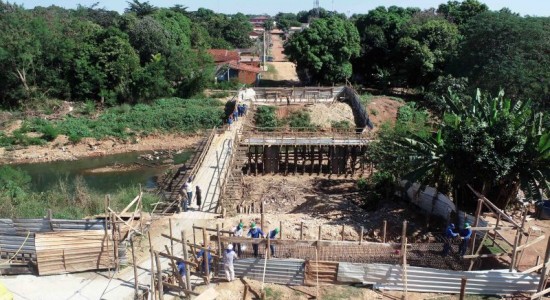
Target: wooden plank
(538, 239)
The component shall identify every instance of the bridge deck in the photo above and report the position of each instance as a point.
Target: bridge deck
(304, 141)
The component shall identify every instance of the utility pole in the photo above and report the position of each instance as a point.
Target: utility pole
(264, 53)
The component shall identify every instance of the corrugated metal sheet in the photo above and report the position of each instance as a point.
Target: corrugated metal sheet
(93, 224)
(389, 277)
(282, 271)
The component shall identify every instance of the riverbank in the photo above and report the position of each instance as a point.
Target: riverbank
(62, 149)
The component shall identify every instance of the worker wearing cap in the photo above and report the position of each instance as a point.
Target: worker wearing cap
(228, 256)
(181, 270)
(465, 236)
(238, 232)
(200, 256)
(255, 233)
(272, 234)
(450, 234)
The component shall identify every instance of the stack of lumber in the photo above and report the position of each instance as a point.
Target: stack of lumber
(73, 251)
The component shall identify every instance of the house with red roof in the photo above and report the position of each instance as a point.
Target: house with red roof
(230, 67)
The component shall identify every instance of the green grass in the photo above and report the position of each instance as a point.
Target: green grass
(67, 199)
(495, 249)
(342, 292)
(124, 122)
(273, 294)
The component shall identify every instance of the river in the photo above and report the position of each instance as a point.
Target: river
(46, 175)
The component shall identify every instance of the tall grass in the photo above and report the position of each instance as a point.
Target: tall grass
(67, 200)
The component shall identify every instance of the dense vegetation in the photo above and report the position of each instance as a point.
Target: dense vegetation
(99, 55)
(124, 121)
(459, 45)
(70, 200)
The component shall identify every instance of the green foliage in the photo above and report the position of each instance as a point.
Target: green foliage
(266, 118)
(504, 50)
(164, 115)
(323, 51)
(68, 200)
(493, 144)
(343, 124)
(379, 187)
(442, 86)
(301, 121)
(287, 20)
(461, 12)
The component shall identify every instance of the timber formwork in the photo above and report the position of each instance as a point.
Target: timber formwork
(302, 152)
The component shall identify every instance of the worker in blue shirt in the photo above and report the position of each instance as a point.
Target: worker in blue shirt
(272, 234)
(209, 256)
(450, 234)
(181, 270)
(465, 236)
(255, 233)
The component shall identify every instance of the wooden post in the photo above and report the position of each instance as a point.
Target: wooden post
(385, 224)
(286, 160)
(186, 257)
(403, 237)
(281, 230)
(496, 226)
(106, 232)
(514, 251)
(476, 223)
(194, 237)
(268, 248)
(136, 290)
(343, 230)
(205, 255)
(538, 263)
(319, 234)
(542, 282)
(295, 159)
(320, 160)
(151, 254)
(262, 215)
(463, 287)
(160, 287)
(171, 240)
(219, 241)
(361, 236)
(115, 240)
(317, 265)
(406, 295)
(302, 230)
(245, 291)
(256, 160)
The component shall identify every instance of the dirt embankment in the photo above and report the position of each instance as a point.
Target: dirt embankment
(62, 149)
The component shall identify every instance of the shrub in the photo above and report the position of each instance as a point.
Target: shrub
(49, 132)
(266, 118)
(344, 124)
(301, 120)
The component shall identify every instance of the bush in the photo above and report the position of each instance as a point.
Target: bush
(266, 118)
(49, 132)
(300, 120)
(344, 125)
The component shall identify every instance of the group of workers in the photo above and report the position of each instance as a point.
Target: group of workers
(450, 235)
(186, 194)
(240, 110)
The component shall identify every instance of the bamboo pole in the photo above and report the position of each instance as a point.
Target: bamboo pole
(543, 276)
(160, 287)
(317, 263)
(384, 226)
(319, 234)
(463, 287)
(262, 215)
(406, 295)
(476, 223)
(281, 230)
(205, 255)
(136, 290)
(171, 241)
(186, 257)
(151, 251)
(343, 230)
(361, 236)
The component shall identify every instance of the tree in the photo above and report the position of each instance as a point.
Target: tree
(461, 12)
(425, 48)
(503, 50)
(323, 51)
(492, 144)
(149, 37)
(237, 31)
(141, 9)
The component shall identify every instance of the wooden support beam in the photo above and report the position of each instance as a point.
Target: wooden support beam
(171, 240)
(463, 287)
(160, 288)
(540, 294)
(178, 288)
(495, 208)
(485, 255)
(152, 273)
(134, 264)
(320, 152)
(384, 226)
(361, 236)
(529, 244)
(319, 234)
(212, 229)
(205, 256)
(311, 243)
(256, 160)
(476, 222)
(343, 230)
(177, 258)
(186, 257)
(286, 160)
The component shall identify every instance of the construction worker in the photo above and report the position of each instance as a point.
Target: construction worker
(465, 236)
(255, 233)
(238, 232)
(228, 257)
(209, 257)
(189, 190)
(450, 234)
(181, 270)
(272, 234)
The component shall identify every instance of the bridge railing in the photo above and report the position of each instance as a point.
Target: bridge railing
(281, 133)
